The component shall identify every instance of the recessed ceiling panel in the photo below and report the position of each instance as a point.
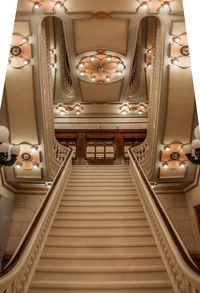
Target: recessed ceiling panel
(94, 92)
(101, 5)
(180, 108)
(96, 34)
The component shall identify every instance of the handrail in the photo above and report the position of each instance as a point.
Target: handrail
(170, 228)
(31, 229)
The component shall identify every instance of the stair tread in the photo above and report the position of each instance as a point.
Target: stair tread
(102, 284)
(92, 269)
(102, 256)
(130, 244)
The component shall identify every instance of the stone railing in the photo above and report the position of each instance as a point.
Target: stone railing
(17, 275)
(54, 151)
(184, 275)
(142, 151)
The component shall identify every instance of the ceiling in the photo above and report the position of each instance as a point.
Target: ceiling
(80, 34)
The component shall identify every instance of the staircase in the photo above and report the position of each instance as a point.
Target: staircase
(100, 240)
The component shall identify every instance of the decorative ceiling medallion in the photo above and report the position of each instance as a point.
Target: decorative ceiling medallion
(173, 156)
(100, 67)
(26, 156)
(15, 50)
(185, 51)
(20, 51)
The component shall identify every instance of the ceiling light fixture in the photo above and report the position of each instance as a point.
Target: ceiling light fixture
(176, 40)
(166, 4)
(36, 5)
(182, 165)
(93, 78)
(107, 78)
(92, 58)
(26, 62)
(167, 148)
(149, 51)
(192, 151)
(174, 61)
(140, 112)
(8, 153)
(35, 166)
(24, 40)
(58, 4)
(144, 5)
(82, 73)
(109, 58)
(165, 165)
(81, 64)
(18, 165)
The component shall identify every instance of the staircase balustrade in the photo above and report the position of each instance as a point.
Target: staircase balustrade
(184, 274)
(16, 276)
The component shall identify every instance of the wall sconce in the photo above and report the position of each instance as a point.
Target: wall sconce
(192, 151)
(8, 153)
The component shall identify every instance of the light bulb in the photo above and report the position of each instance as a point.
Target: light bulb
(51, 51)
(82, 73)
(92, 58)
(120, 65)
(152, 186)
(24, 40)
(150, 51)
(25, 62)
(35, 166)
(37, 5)
(78, 112)
(166, 5)
(18, 165)
(167, 148)
(109, 58)
(177, 40)
(58, 4)
(93, 78)
(107, 78)
(149, 65)
(62, 112)
(33, 149)
(182, 165)
(140, 112)
(119, 73)
(144, 5)
(124, 112)
(81, 64)
(165, 165)
(175, 61)
(52, 65)
(142, 107)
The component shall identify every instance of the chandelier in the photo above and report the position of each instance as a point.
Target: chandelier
(192, 151)
(8, 153)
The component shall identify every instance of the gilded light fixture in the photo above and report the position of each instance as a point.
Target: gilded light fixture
(133, 108)
(173, 156)
(20, 51)
(48, 5)
(100, 67)
(63, 109)
(180, 55)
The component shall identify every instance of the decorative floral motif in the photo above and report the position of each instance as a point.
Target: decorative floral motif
(180, 51)
(48, 6)
(101, 67)
(173, 156)
(154, 5)
(28, 157)
(20, 51)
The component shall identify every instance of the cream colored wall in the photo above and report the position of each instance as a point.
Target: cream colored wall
(25, 207)
(193, 199)
(176, 206)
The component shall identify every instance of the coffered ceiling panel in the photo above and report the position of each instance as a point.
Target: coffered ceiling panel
(21, 105)
(94, 92)
(180, 108)
(176, 6)
(105, 33)
(101, 5)
(22, 27)
(24, 6)
(178, 27)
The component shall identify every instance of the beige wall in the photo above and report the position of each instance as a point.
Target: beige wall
(25, 207)
(193, 199)
(176, 206)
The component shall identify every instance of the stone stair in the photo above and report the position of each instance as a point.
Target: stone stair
(100, 240)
